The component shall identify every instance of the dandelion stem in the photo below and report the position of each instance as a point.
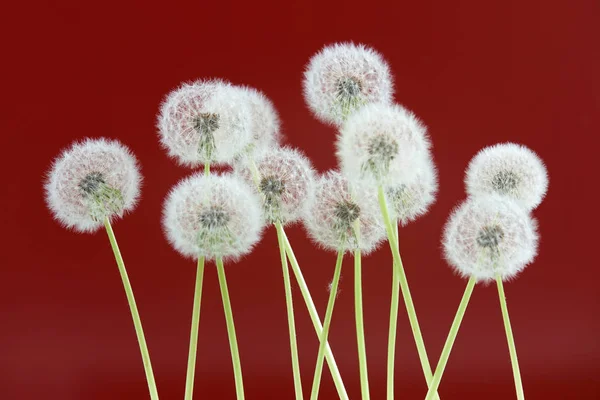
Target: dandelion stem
(290, 312)
(314, 316)
(360, 328)
(393, 326)
(235, 355)
(511, 341)
(410, 307)
(326, 324)
(191, 367)
(207, 168)
(439, 370)
(137, 322)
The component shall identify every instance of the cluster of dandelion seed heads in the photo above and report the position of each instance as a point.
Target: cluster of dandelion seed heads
(265, 123)
(213, 216)
(382, 143)
(90, 181)
(205, 121)
(343, 77)
(337, 208)
(511, 170)
(410, 200)
(490, 236)
(285, 181)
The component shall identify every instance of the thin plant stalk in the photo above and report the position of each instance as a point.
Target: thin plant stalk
(137, 322)
(290, 312)
(314, 316)
(394, 304)
(191, 367)
(410, 307)
(439, 371)
(326, 324)
(207, 168)
(511, 341)
(235, 354)
(360, 326)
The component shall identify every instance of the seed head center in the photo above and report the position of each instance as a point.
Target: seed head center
(490, 236)
(346, 213)
(214, 218)
(92, 183)
(505, 181)
(206, 123)
(348, 87)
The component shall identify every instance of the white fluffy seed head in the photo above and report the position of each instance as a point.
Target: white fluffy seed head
(214, 216)
(491, 235)
(383, 144)
(92, 180)
(409, 200)
(265, 123)
(205, 121)
(335, 211)
(285, 181)
(508, 169)
(343, 77)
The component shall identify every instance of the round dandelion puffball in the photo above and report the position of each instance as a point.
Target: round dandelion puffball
(92, 180)
(382, 143)
(488, 236)
(213, 216)
(334, 209)
(205, 121)
(408, 201)
(285, 182)
(508, 169)
(344, 77)
(265, 123)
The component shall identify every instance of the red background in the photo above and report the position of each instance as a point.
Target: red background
(477, 73)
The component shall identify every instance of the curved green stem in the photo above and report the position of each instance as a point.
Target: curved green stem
(326, 324)
(439, 371)
(137, 322)
(191, 367)
(393, 327)
(410, 307)
(235, 354)
(511, 341)
(314, 316)
(360, 328)
(290, 312)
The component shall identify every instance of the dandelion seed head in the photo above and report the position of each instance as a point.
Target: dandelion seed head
(92, 180)
(337, 208)
(213, 216)
(285, 183)
(205, 121)
(343, 77)
(511, 170)
(383, 144)
(488, 236)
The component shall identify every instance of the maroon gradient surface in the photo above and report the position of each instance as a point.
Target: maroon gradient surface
(476, 72)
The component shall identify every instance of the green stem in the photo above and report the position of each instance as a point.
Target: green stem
(290, 312)
(511, 341)
(314, 316)
(207, 168)
(439, 371)
(360, 328)
(235, 354)
(137, 322)
(326, 324)
(191, 367)
(410, 307)
(393, 327)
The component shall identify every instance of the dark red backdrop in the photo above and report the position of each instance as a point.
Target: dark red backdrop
(475, 72)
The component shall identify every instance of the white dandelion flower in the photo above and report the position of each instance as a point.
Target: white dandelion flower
(342, 78)
(286, 182)
(409, 200)
(213, 216)
(90, 181)
(488, 236)
(381, 143)
(265, 123)
(334, 209)
(205, 121)
(508, 169)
